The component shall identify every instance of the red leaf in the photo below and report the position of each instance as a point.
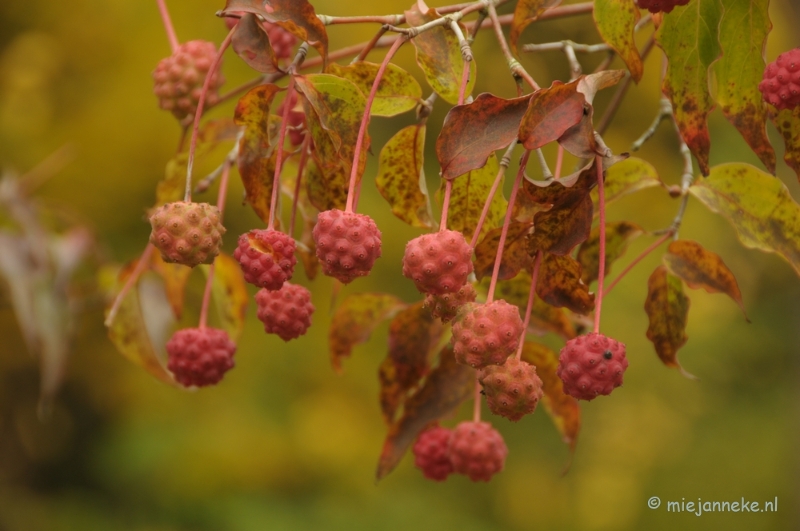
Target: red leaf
(551, 113)
(250, 42)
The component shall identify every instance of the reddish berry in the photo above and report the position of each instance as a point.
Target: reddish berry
(486, 334)
(446, 306)
(431, 453)
(781, 83)
(661, 6)
(179, 78)
(347, 244)
(512, 389)
(282, 41)
(438, 263)
(267, 257)
(200, 356)
(591, 365)
(285, 312)
(296, 120)
(477, 450)
(187, 233)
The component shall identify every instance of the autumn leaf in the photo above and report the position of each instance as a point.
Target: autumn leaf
(250, 42)
(525, 12)
(229, 291)
(355, 319)
(701, 268)
(560, 284)
(515, 254)
(758, 206)
(688, 36)
(469, 194)
(550, 113)
(743, 36)
(472, 132)
(175, 277)
(563, 227)
(627, 177)
(398, 91)
(787, 122)
(326, 189)
(615, 21)
(668, 309)
(401, 179)
(618, 235)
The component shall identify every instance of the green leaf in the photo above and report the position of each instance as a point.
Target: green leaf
(525, 12)
(469, 194)
(230, 294)
(401, 176)
(688, 36)
(758, 206)
(627, 177)
(615, 20)
(398, 91)
(618, 235)
(668, 309)
(326, 189)
(787, 122)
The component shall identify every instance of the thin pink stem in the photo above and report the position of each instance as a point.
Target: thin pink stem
(559, 162)
(462, 90)
(144, 261)
(476, 408)
(207, 296)
(529, 308)
(636, 260)
(493, 190)
(448, 190)
(504, 232)
(601, 268)
(365, 120)
(173, 38)
(300, 167)
(199, 113)
(223, 187)
(276, 180)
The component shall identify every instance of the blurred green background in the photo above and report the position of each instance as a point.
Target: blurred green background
(283, 442)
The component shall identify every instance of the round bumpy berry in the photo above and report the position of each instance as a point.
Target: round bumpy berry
(591, 365)
(512, 389)
(431, 453)
(187, 233)
(486, 334)
(179, 78)
(266, 257)
(285, 312)
(661, 6)
(347, 244)
(781, 83)
(446, 306)
(200, 356)
(438, 263)
(477, 450)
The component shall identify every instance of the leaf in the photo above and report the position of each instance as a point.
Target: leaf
(758, 206)
(326, 190)
(439, 56)
(701, 268)
(398, 91)
(551, 112)
(788, 124)
(472, 132)
(526, 12)
(688, 36)
(627, 177)
(515, 254)
(618, 235)
(563, 227)
(560, 284)
(230, 294)
(354, 321)
(562, 408)
(469, 194)
(743, 37)
(401, 179)
(250, 42)
(444, 390)
(175, 277)
(615, 21)
(668, 310)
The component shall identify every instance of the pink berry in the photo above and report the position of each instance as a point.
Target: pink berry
(431, 453)
(200, 356)
(347, 244)
(438, 263)
(187, 233)
(781, 84)
(512, 389)
(266, 257)
(447, 306)
(486, 334)
(285, 312)
(591, 365)
(477, 450)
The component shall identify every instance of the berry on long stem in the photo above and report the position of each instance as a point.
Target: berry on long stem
(170, 29)
(273, 205)
(300, 167)
(601, 270)
(504, 162)
(448, 185)
(529, 308)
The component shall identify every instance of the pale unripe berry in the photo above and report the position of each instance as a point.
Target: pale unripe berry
(486, 334)
(512, 389)
(187, 233)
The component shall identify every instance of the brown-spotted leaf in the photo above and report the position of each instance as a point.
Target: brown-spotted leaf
(401, 176)
(743, 36)
(551, 112)
(230, 294)
(327, 189)
(250, 42)
(560, 284)
(175, 277)
(627, 177)
(688, 36)
(563, 227)
(668, 309)
(615, 20)
(469, 194)
(472, 132)
(445, 388)
(787, 122)
(355, 319)
(562, 408)
(618, 235)
(758, 205)
(700, 268)
(398, 91)
(439, 55)
(515, 253)
(526, 12)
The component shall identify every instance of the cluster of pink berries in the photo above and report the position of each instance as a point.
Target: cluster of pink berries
(474, 449)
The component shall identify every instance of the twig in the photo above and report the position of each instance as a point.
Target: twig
(664, 111)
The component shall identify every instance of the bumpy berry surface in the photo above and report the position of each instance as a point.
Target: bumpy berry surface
(438, 263)
(477, 450)
(179, 78)
(431, 453)
(285, 312)
(486, 334)
(266, 257)
(781, 83)
(512, 389)
(591, 365)
(446, 307)
(200, 356)
(296, 120)
(347, 244)
(661, 6)
(187, 233)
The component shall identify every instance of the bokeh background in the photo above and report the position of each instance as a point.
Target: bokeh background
(283, 442)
